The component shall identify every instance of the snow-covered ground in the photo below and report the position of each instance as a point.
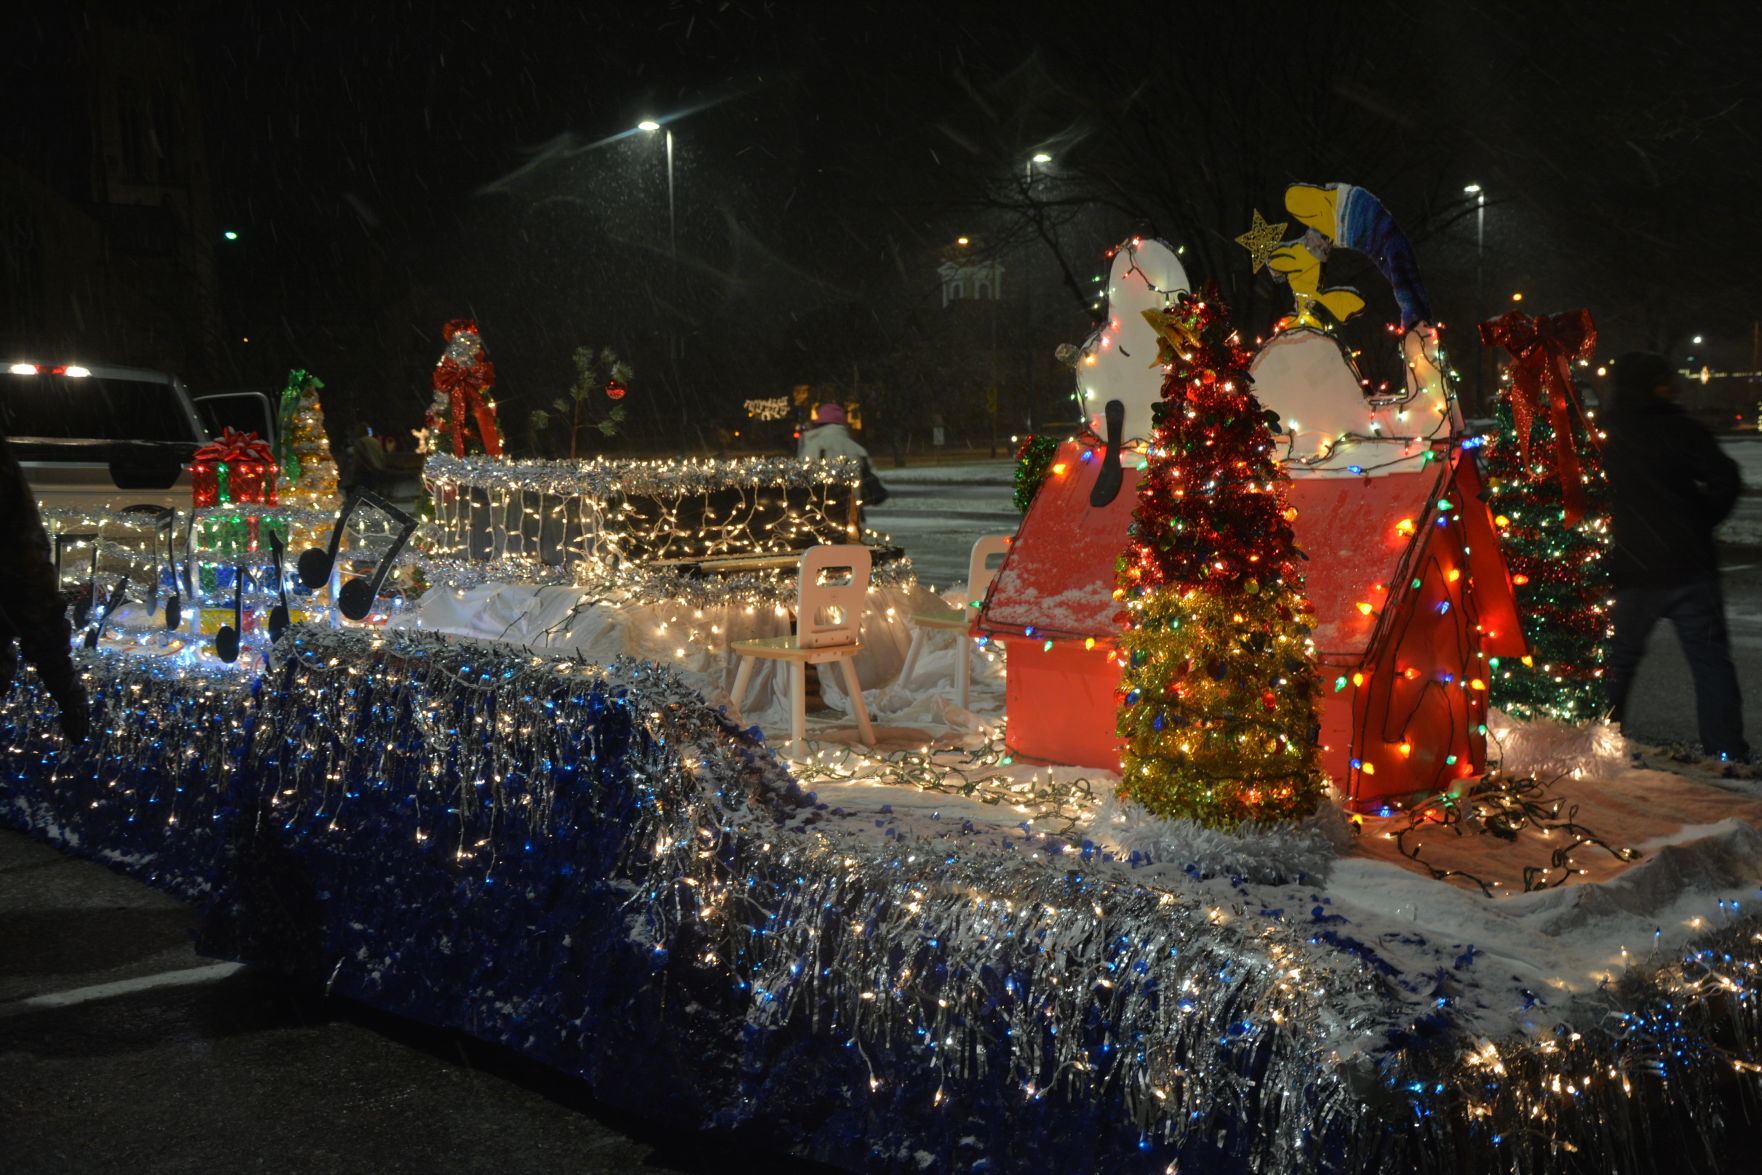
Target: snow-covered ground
(1744, 527)
(937, 513)
(1747, 451)
(1505, 962)
(1001, 472)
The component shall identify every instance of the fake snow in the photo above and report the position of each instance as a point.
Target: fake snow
(1497, 966)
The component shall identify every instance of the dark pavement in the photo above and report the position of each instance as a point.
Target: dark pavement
(123, 1050)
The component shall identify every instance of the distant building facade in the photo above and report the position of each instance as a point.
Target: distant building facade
(971, 279)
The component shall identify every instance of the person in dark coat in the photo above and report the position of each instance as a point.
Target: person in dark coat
(1670, 485)
(32, 612)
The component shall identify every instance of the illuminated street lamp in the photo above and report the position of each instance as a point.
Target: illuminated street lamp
(1480, 289)
(650, 126)
(1039, 158)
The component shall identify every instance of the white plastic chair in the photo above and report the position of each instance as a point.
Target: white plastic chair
(832, 591)
(980, 573)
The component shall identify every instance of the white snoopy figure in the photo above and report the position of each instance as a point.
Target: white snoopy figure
(1118, 362)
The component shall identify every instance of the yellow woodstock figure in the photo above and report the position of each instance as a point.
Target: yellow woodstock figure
(1300, 263)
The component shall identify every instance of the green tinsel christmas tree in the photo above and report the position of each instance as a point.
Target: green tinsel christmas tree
(1562, 582)
(1549, 499)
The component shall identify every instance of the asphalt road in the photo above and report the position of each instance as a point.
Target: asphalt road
(122, 1050)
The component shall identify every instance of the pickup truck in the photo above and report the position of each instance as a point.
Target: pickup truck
(100, 436)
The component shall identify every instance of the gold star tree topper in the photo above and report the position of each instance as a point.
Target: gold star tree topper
(1174, 338)
(1262, 239)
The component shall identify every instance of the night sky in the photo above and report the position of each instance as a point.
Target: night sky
(396, 165)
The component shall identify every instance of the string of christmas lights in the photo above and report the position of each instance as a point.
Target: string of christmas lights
(1497, 805)
(979, 771)
(607, 519)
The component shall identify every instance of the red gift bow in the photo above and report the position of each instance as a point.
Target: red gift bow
(1543, 349)
(232, 445)
(464, 388)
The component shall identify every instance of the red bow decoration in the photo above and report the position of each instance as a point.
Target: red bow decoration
(236, 446)
(1542, 350)
(464, 387)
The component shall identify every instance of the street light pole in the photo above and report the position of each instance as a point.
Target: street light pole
(1028, 293)
(1480, 290)
(650, 125)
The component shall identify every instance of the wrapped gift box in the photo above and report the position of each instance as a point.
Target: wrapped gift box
(238, 468)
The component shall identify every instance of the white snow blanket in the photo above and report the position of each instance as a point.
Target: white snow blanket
(1506, 964)
(695, 640)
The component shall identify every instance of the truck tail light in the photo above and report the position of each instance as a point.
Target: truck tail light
(70, 370)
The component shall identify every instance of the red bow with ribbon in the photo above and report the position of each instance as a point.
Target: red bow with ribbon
(232, 445)
(1542, 350)
(464, 387)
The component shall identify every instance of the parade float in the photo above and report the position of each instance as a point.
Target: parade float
(451, 791)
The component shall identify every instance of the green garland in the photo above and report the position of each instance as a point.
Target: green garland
(1031, 462)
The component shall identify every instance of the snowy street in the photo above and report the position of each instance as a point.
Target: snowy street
(120, 1040)
(936, 512)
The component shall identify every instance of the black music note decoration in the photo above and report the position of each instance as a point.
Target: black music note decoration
(314, 566)
(226, 641)
(118, 594)
(278, 616)
(174, 603)
(354, 599)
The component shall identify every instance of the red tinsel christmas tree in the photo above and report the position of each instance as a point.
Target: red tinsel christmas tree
(1217, 696)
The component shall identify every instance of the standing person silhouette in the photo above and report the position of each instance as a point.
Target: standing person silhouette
(828, 435)
(31, 608)
(1670, 485)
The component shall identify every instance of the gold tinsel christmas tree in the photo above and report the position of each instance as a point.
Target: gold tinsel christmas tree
(1217, 699)
(308, 472)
